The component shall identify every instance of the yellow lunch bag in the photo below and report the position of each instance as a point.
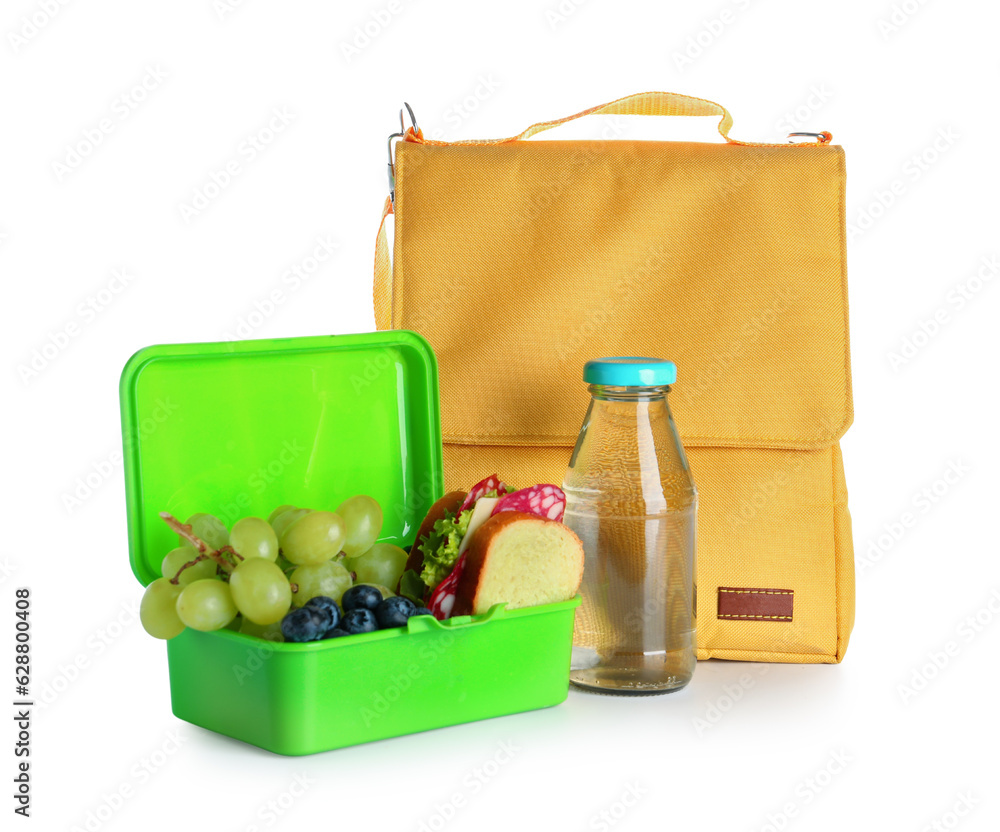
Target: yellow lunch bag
(520, 260)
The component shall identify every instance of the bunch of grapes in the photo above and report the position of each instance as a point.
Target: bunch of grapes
(249, 577)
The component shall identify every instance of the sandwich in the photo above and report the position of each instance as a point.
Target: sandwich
(490, 545)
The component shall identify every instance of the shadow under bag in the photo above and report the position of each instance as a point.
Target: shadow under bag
(520, 260)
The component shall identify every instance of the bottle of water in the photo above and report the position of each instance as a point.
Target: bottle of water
(631, 500)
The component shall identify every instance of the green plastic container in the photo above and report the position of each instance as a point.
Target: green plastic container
(235, 429)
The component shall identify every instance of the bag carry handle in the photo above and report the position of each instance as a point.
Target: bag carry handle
(646, 104)
(640, 104)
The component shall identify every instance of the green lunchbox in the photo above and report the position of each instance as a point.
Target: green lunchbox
(235, 429)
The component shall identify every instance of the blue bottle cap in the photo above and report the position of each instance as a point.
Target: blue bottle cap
(630, 371)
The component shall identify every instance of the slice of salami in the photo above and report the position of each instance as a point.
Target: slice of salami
(442, 599)
(480, 489)
(545, 500)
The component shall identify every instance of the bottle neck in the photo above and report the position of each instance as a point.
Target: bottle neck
(608, 393)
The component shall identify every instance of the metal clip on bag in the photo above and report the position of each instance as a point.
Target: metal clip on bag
(519, 260)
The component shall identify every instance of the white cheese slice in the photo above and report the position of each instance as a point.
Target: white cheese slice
(480, 514)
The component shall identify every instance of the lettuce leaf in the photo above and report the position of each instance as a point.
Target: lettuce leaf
(412, 587)
(440, 547)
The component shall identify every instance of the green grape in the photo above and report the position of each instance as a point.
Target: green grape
(313, 538)
(208, 528)
(279, 510)
(260, 591)
(270, 632)
(176, 558)
(254, 538)
(286, 518)
(158, 609)
(363, 523)
(329, 578)
(382, 564)
(206, 604)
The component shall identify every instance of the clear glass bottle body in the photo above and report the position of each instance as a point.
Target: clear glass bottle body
(633, 503)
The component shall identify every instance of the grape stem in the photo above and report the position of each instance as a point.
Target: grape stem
(229, 550)
(176, 579)
(185, 531)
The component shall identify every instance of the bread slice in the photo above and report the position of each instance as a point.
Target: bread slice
(522, 559)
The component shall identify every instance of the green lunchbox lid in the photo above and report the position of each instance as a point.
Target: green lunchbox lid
(238, 428)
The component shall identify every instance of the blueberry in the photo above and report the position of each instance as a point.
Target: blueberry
(303, 624)
(327, 607)
(361, 597)
(393, 612)
(359, 621)
(336, 632)
(421, 611)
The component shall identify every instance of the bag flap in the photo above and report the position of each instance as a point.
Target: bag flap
(521, 261)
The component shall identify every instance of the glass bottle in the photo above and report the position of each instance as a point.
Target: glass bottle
(631, 500)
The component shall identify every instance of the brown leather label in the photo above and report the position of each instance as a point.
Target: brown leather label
(754, 604)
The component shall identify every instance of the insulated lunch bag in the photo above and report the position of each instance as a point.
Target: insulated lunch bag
(520, 260)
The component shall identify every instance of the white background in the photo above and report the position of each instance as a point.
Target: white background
(888, 84)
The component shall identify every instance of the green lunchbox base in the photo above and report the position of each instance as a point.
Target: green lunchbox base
(297, 699)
